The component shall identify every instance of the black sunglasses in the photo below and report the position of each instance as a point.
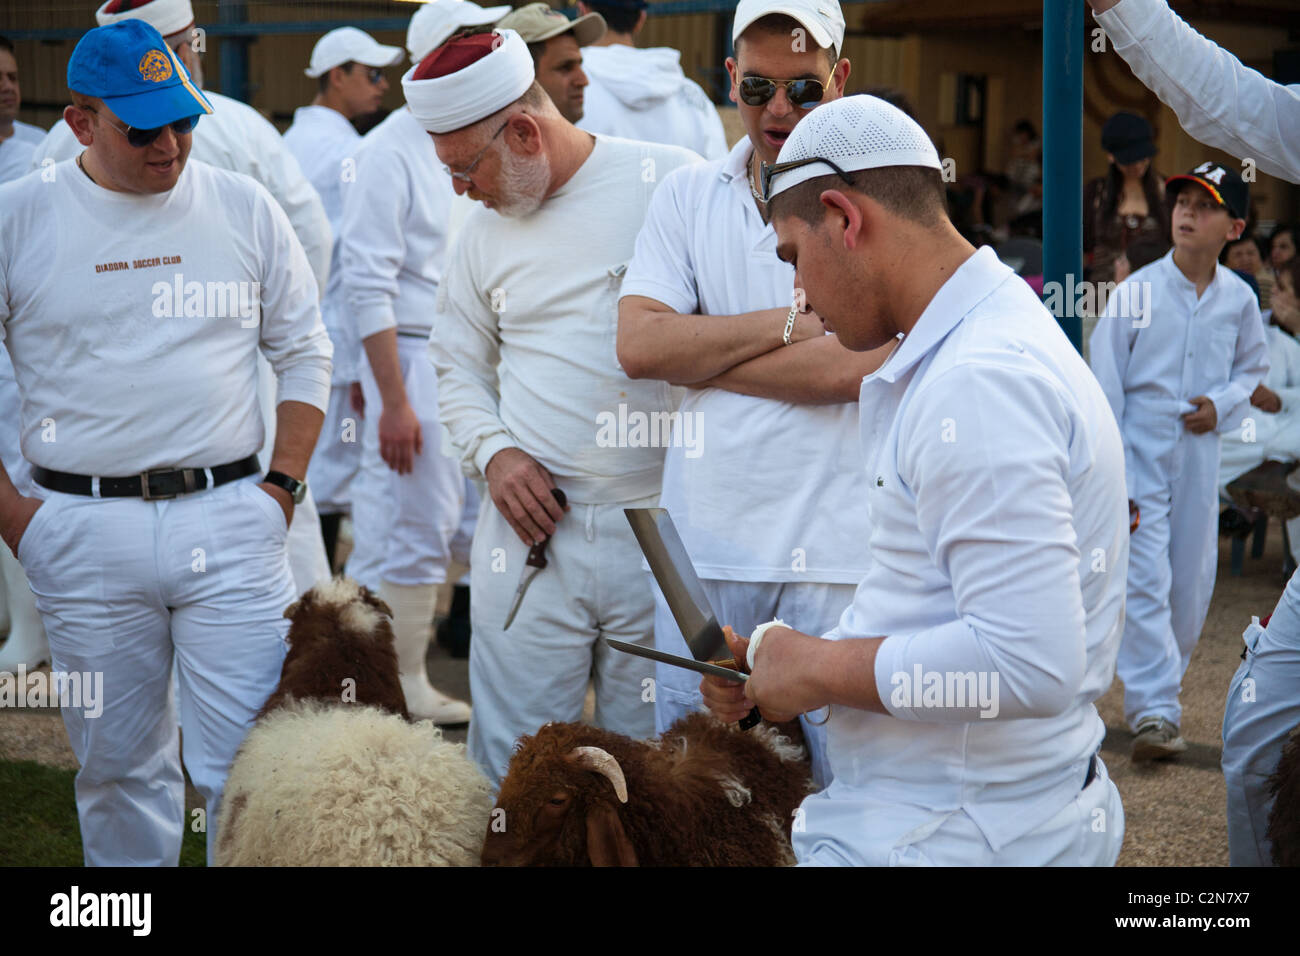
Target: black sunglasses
(140, 138)
(373, 73)
(757, 90)
(768, 172)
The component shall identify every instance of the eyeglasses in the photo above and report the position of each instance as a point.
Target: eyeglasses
(757, 90)
(769, 172)
(373, 73)
(464, 175)
(140, 138)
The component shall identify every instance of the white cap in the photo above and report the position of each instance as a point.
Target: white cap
(348, 44)
(434, 22)
(854, 132)
(823, 18)
(165, 16)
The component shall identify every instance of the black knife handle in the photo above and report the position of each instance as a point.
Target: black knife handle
(751, 719)
(537, 553)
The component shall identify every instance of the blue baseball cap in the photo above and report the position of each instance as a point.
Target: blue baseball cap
(135, 73)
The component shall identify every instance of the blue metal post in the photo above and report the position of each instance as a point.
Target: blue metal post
(1063, 45)
(234, 51)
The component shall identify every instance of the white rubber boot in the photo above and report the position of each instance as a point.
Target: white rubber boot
(26, 646)
(412, 614)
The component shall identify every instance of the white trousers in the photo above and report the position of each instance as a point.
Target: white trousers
(838, 828)
(126, 585)
(307, 559)
(538, 671)
(812, 608)
(1262, 708)
(1172, 560)
(402, 525)
(337, 456)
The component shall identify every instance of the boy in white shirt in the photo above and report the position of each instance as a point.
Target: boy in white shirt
(1179, 346)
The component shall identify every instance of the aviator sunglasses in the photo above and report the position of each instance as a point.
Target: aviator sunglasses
(757, 90)
(140, 138)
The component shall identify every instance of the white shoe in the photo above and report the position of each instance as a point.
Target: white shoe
(412, 616)
(26, 646)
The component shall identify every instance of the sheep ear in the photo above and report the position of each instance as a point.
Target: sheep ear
(607, 843)
(601, 762)
(292, 609)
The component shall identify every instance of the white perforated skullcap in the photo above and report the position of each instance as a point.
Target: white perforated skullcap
(854, 132)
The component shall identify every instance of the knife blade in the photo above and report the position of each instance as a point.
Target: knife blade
(533, 564)
(700, 667)
(681, 587)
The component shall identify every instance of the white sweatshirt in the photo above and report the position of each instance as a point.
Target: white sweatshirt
(323, 141)
(643, 94)
(393, 237)
(134, 321)
(236, 137)
(524, 339)
(1218, 100)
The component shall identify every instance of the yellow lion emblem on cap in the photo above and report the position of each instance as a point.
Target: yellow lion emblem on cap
(156, 66)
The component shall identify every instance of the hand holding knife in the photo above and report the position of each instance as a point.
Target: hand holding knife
(533, 564)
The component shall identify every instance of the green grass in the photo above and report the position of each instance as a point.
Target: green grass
(38, 819)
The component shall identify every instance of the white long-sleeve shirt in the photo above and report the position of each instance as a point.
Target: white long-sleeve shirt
(1218, 100)
(643, 94)
(1151, 365)
(524, 338)
(393, 236)
(999, 544)
(323, 141)
(16, 151)
(237, 137)
(134, 320)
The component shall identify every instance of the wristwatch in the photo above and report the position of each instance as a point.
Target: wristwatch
(297, 489)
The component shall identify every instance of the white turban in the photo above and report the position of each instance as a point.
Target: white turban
(467, 79)
(165, 16)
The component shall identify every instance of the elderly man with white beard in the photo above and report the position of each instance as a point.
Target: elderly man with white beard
(524, 344)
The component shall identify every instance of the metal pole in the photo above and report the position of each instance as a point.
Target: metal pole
(234, 51)
(1063, 36)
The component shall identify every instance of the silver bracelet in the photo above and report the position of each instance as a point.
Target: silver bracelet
(789, 324)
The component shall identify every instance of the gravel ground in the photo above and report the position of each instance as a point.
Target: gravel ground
(1174, 811)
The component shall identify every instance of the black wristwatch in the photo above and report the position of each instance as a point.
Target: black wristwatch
(297, 489)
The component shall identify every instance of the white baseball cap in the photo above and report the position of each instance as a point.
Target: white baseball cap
(348, 44)
(434, 22)
(853, 132)
(823, 18)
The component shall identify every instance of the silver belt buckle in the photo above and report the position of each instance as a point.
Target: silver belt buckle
(144, 483)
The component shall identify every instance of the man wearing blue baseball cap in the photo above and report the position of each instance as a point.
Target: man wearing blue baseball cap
(136, 290)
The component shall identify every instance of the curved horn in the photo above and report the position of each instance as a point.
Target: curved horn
(601, 762)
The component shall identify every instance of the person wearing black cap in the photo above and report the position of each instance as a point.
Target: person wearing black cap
(137, 289)
(1182, 339)
(1128, 203)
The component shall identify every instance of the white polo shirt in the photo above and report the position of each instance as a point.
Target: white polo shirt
(323, 141)
(393, 238)
(135, 320)
(999, 542)
(237, 137)
(775, 491)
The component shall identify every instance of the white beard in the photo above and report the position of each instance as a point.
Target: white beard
(524, 184)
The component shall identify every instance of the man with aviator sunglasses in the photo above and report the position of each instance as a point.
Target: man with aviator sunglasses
(706, 304)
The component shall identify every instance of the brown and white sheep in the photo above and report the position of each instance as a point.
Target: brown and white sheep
(1284, 818)
(703, 794)
(332, 772)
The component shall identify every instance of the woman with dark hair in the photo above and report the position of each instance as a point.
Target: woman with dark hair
(1126, 204)
(1281, 246)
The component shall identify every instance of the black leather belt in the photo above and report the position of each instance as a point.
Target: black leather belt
(149, 485)
(1092, 771)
